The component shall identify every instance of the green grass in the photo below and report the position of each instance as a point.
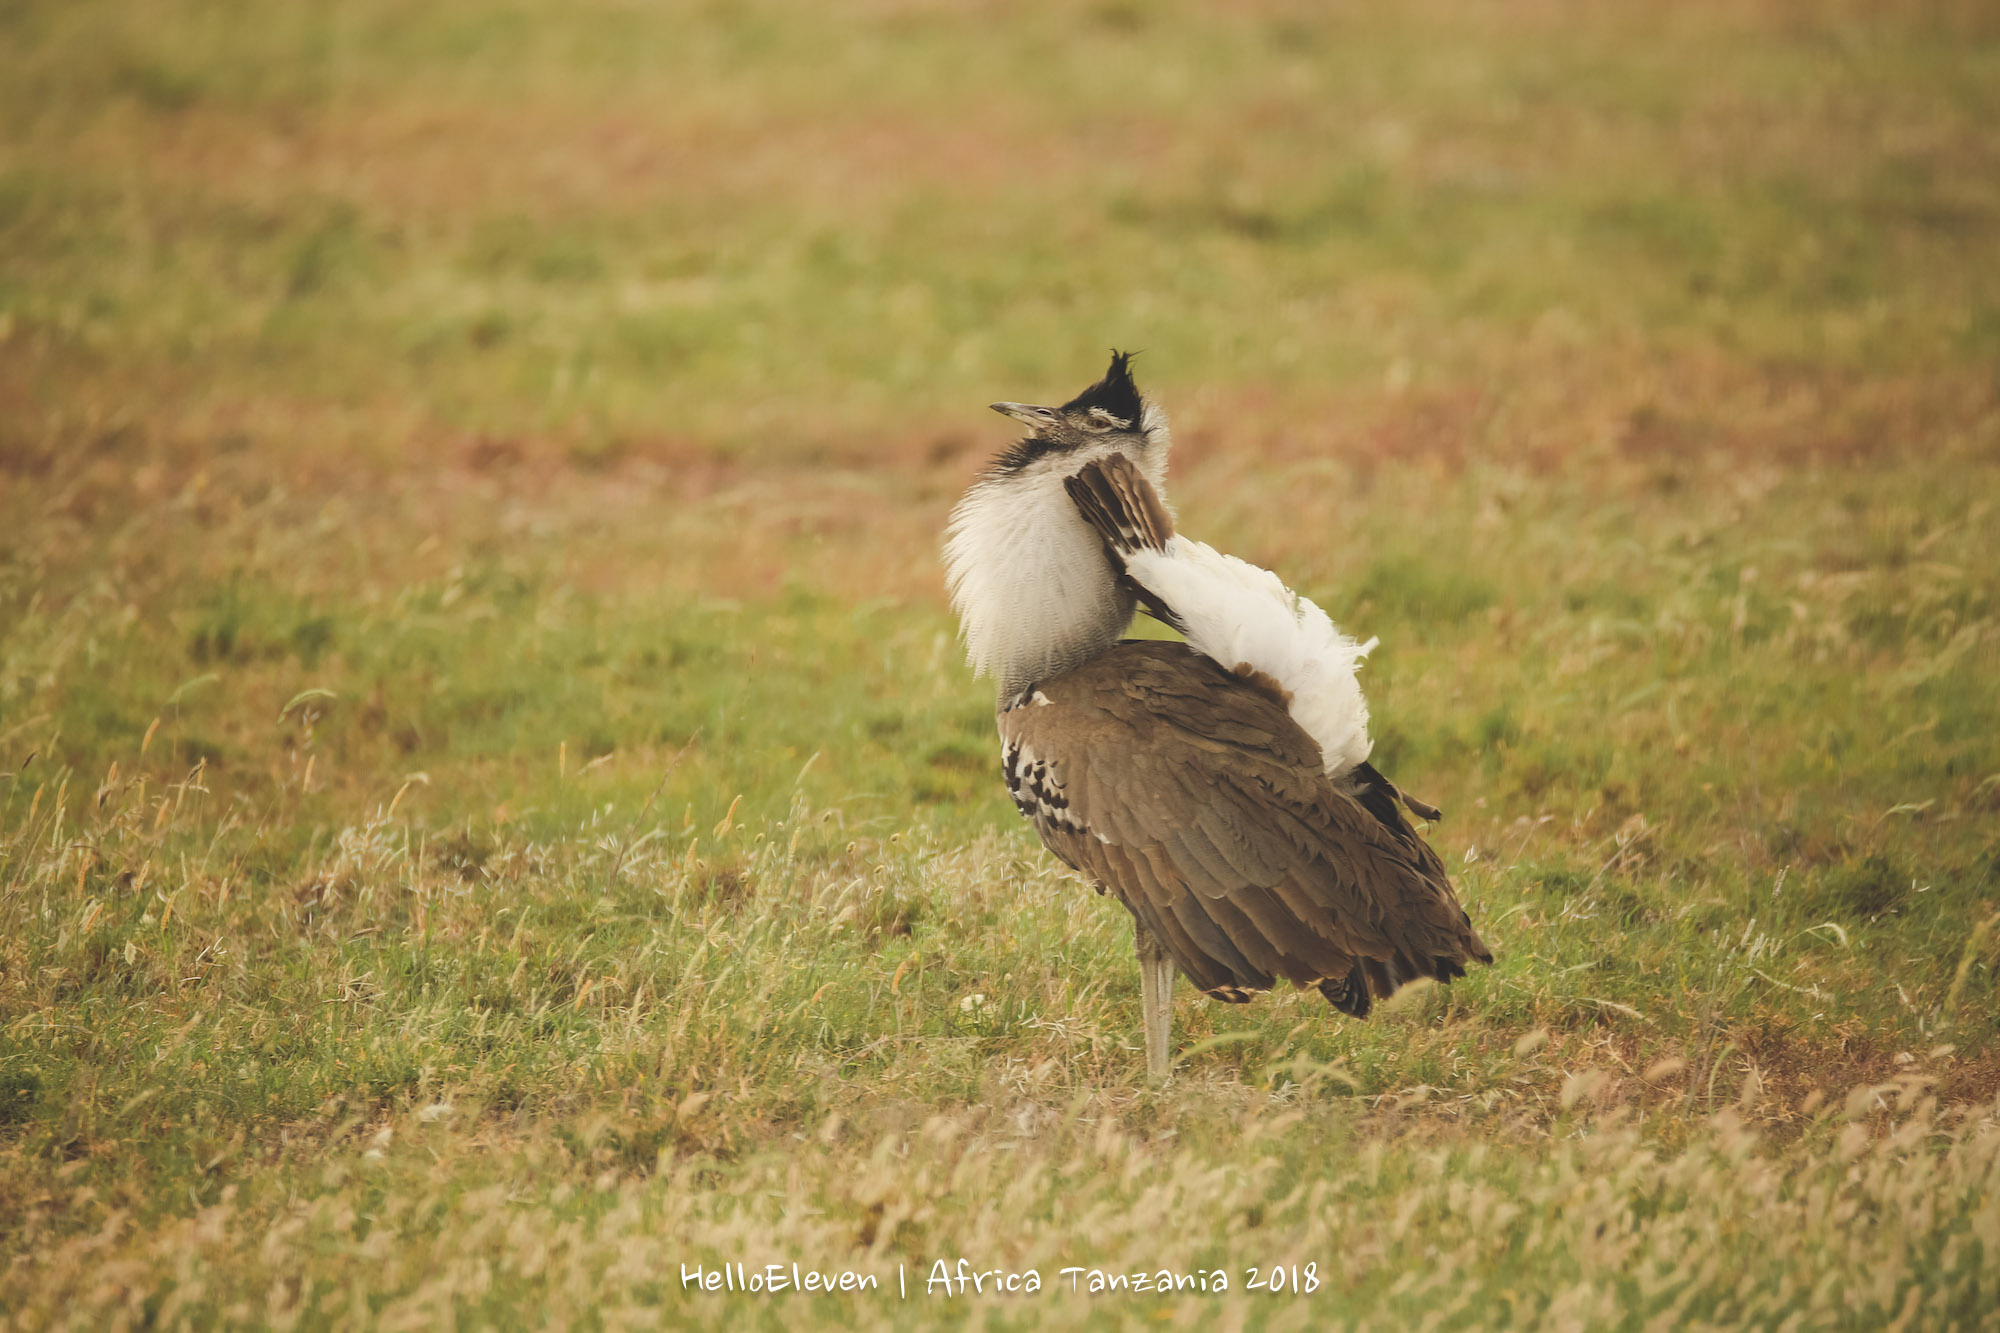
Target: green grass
(491, 810)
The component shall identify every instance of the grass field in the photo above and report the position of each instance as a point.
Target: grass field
(492, 814)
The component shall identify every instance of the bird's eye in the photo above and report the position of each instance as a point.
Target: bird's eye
(1103, 420)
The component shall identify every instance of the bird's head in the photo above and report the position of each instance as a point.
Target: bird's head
(1109, 416)
(1029, 577)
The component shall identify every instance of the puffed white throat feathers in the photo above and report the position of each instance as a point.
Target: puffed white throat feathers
(1028, 576)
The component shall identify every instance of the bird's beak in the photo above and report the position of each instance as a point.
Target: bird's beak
(1027, 414)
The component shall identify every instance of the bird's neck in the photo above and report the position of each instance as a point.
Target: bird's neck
(1035, 594)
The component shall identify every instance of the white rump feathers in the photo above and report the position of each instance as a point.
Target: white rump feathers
(1244, 618)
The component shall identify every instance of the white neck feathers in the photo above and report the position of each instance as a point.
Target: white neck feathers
(1035, 594)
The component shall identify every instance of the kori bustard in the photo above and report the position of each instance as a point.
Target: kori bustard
(1218, 787)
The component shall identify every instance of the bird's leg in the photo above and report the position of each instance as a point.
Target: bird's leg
(1156, 998)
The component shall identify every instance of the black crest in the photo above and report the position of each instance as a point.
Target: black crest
(1115, 393)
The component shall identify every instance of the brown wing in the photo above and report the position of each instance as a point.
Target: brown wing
(1117, 500)
(1193, 796)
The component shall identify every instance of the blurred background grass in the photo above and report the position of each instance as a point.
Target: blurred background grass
(778, 229)
(471, 635)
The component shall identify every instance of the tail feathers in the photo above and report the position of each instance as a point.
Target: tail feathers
(1376, 979)
(1349, 994)
(1381, 796)
(1384, 979)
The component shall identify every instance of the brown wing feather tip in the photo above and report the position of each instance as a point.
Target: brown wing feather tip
(1115, 498)
(1094, 503)
(1091, 505)
(1145, 502)
(1421, 809)
(1349, 995)
(1138, 498)
(1355, 994)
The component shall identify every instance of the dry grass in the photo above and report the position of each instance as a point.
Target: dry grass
(490, 808)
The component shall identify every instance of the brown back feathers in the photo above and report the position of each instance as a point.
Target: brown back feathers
(1195, 798)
